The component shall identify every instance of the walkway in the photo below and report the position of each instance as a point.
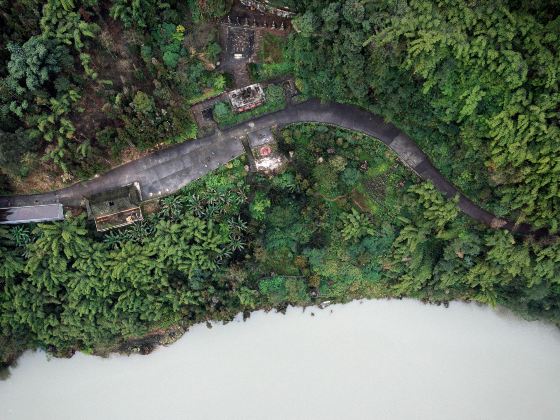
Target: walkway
(168, 170)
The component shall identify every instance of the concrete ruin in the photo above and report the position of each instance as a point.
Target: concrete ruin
(240, 42)
(263, 6)
(268, 159)
(31, 214)
(254, 23)
(246, 98)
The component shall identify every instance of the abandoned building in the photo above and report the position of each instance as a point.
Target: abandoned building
(115, 208)
(246, 98)
(31, 214)
(240, 42)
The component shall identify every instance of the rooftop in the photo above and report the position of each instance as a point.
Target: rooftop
(115, 208)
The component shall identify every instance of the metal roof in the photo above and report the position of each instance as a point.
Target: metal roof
(31, 214)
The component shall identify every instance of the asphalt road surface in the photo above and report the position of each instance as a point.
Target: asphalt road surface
(166, 171)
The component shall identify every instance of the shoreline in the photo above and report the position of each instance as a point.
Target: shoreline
(159, 338)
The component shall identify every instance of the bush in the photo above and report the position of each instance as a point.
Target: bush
(203, 11)
(273, 290)
(142, 103)
(221, 112)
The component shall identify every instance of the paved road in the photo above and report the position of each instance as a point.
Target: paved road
(168, 170)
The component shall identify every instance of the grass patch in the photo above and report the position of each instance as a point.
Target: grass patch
(189, 133)
(365, 203)
(380, 168)
(273, 59)
(205, 95)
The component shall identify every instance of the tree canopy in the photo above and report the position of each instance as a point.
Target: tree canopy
(86, 85)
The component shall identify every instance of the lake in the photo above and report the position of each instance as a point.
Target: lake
(364, 360)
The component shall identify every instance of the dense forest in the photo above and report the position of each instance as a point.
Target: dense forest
(476, 84)
(81, 83)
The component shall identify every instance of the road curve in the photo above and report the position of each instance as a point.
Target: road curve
(166, 171)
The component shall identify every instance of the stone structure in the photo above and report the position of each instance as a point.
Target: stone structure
(31, 214)
(264, 7)
(246, 98)
(263, 22)
(240, 42)
(265, 152)
(115, 208)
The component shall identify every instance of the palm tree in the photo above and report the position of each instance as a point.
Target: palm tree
(196, 206)
(114, 239)
(21, 235)
(173, 207)
(237, 224)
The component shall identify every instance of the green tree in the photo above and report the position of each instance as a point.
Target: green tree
(306, 24)
(355, 225)
(142, 103)
(35, 63)
(204, 10)
(488, 93)
(61, 20)
(137, 13)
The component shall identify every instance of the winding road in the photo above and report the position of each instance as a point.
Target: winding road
(168, 170)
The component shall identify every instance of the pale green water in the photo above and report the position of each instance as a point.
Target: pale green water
(375, 360)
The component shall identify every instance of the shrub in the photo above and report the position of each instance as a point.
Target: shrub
(221, 112)
(259, 205)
